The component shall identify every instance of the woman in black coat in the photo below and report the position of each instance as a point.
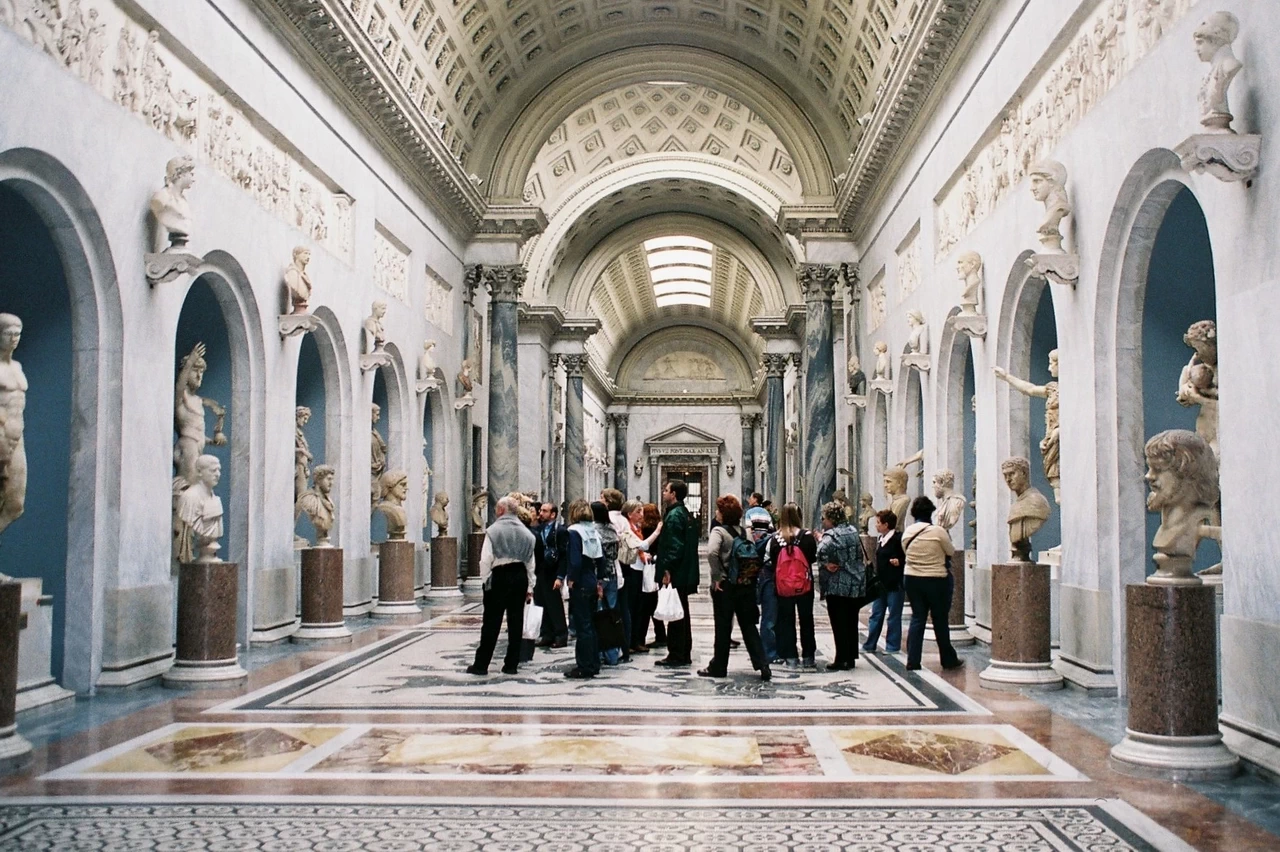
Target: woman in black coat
(890, 560)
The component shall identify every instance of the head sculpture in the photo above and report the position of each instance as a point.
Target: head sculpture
(301, 255)
(395, 484)
(179, 172)
(323, 476)
(1047, 176)
(968, 263)
(1182, 475)
(915, 317)
(1016, 470)
(895, 480)
(1202, 336)
(1030, 509)
(301, 414)
(1215, 32)
(944, 479)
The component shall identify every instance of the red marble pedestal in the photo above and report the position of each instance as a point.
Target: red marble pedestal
(15, 751)
(960, 634)
(444, 568)
(396, 595)
(208, 594)
(1172, 673)
(1020, 655)
(321, 580)
(475, 543)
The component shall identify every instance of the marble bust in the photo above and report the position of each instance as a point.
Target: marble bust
(375, 337)
(1213, 40)
(395, 487)
(856, 378)
(1182, 476)
(479, 504)
(464, 377)
(969, 268)
(1049, 445)
(297, 280)
(895, 488)
(1029, 511)
(638, 468)
(884, 366)
(1049, 185)
(1198, 382)
(427, 362)
(440, 513)
(188, 417)
(866, 513)
(13, 404)
(170, 209)
(198, 514)
(317, 505)
(918, 333)
(950, 504)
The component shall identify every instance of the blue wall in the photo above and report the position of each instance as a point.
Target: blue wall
(201, 322)
(1044, 339)
(33, 286)
(310, 392)
(1180, 291)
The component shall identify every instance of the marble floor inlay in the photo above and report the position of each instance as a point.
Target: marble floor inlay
(887, 826)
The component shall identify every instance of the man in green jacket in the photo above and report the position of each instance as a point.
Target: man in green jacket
(677, 552)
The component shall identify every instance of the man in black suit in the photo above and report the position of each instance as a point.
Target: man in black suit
(550, 548)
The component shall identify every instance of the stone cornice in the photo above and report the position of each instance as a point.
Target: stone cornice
(924, 57)
(511, 220)
(683, 399)
(546, 319)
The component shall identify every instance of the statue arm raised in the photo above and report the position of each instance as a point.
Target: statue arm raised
(1021, 385)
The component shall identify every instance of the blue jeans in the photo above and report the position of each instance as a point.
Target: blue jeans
(586, 651)
(892, 601)
(767, 596)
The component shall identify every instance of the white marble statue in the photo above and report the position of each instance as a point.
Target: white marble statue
(950, 504)
(317, 505)
(762, 469)
(465, 383)
(1198, 383)
(1049, 185)
(394, 488)
(427, 362)
(917, 333)
(969, 268)
(440, 513)
(301, 451)
(855, 377)
(895, 488)
(1182, 475)
(866, 513)
(1049, 445)
(375, 337)
(638, 468)
(297, 280)
(730, 468)
(188, 418)
(170, 209)
(1029, 511)
(13, 404)
(426, 487)
(198, 514)
(377, 455)
(884, 365)
(1213, 40)
(479, 505)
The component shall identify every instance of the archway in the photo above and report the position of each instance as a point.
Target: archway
(956, 418)
(310, 450)
(912, 408)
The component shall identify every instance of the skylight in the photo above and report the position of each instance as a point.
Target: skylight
(680, 270)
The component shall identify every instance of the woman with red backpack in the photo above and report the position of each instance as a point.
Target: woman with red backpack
(790, 553)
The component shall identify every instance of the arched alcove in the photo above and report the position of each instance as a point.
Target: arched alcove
(311, 394)
(381, 429)
(912, 407)
(879, 447)
(955, 418)
(1044, 340)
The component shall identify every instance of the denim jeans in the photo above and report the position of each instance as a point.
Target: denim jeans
(586, 651)
(767, 596)
(785, 628)
(891, 602)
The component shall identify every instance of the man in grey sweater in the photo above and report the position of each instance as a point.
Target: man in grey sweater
(506, 567)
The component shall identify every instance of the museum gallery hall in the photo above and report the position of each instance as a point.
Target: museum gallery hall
(639, 424)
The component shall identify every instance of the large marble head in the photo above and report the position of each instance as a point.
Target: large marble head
(301, 255)
(441, 499)
(1046, 177)
(395, 486)
(180, 173)
(1181, 470)
(208, 470)
(1214, 32)
(968, 263)
(943, 481)
(323, 477)
(881, 347)
(915, 317)
(1017, 474)
(895, 480)
(379, 309)
(10, 332)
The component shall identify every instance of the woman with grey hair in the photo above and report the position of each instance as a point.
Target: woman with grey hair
(842, 579)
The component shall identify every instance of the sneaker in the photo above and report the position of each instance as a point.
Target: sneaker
(476, 670)
(888, 650)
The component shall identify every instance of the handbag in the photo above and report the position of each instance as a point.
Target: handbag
(608, 624)
(532, 621)
(669, 606)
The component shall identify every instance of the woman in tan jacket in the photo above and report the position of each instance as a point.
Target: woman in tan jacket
(929, 584)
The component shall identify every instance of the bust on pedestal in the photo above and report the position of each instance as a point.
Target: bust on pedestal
(1219, 150)
(396, 592)
(444, 552)
(297, 287)
(321, 574)
(1054, 264)
(950, 512)
(171, 224)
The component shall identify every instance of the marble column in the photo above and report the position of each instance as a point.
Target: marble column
(775, 366)
(574, 437)
(620, 422)
(553, 450)
(714, 485)
(748, 461)
(819, 473)
(505, 285)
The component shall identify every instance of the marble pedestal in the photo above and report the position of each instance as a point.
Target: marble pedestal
(395, 580)
(970, 599)
(1173, 687)
(444, 568)
(1053, 558)
(960, 634)
(472, 585)
(321, 584)
(37, 687)
(208, 593)
(15, 751)
(1020, 657)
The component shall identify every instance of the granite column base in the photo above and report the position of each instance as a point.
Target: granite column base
(15, 751)
(475, 544)
(321, 583)
(1020, 655)
(444, 568)
(396, 594)
(208, 593)
(1173, 686)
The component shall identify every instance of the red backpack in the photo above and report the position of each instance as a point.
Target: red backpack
(792, 576)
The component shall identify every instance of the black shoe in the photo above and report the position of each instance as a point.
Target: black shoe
(958, 664)
(765, 674)
(658, 643)
(640, 649)
(509, 670)
(734, 643)
(710, 673)
(544, 643)
(913, 667)
(560, 643)
(578, 674)
(476, 670)
(665, 662)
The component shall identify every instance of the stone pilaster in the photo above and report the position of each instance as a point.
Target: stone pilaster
(748, 466)
(505, 285)
(819, 474)
(574, 438)
(620, 422)
(775, 366)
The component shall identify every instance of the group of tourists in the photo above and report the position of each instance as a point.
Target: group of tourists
(611, 559)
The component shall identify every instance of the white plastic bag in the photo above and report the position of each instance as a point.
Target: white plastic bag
(669, 606)
(532, 621)
(649, 583)
(564, 591)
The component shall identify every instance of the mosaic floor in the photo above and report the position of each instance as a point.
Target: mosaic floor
(388, 745)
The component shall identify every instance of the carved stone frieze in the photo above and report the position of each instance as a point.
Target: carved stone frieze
(390, 266)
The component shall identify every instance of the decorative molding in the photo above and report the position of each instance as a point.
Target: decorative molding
(818, 281)
(1227, 156)
(292, 325)
(575, 365)
(775, 363)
